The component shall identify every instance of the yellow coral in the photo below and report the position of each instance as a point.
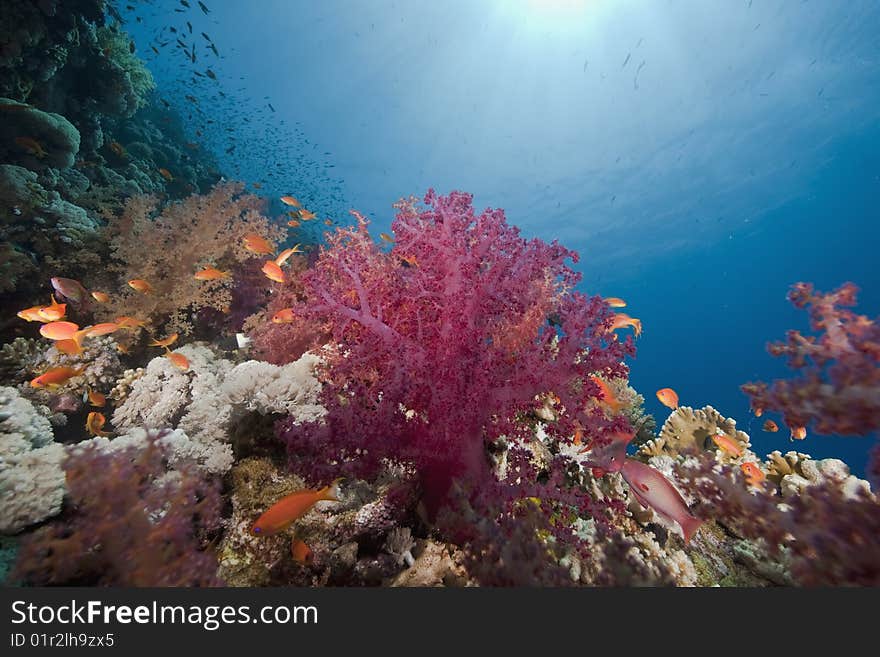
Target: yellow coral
(167, 250)
(688, 429)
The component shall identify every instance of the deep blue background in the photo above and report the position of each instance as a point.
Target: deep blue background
(701, 156)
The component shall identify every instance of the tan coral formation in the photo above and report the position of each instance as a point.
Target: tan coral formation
(688, 429)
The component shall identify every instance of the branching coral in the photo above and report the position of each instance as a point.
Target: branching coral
(168, 249)
(443, 343)
(130, 524)
(839, 387)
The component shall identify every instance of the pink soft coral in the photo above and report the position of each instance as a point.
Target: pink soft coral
(446, 343)
(839, 387)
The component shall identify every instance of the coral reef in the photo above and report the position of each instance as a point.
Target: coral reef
(129, 524)
(687, 429)
(35, 139)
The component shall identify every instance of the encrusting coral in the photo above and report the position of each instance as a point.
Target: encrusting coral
(31, 479)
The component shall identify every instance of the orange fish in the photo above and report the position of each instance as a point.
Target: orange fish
(385, 237)
(179, 361)
(607, 397)
(211, 274)
(328, 222)
(167, 342)
(54, 311)
(754, 475)
(31, 314)
(59, 330)
(289, 200)
(286, 253)
(32, 146)
(759, 411)
(129, 322)
(273, 272)
(96, 398)
(104, 328)
(56, 377)
(668, 397)
(100, 297)
(117, 148)
(69, 288)
(122, 348)
(615, 302)
(798, 433)
(301, 552)
(305, 215)
(283, 316)
(293, 223)
(410, 261)
(622, 320)
(771, 426)
(140, 285)
(257, 244)
(166, 174)
(95, 422)
(726, 444)
(290, 508)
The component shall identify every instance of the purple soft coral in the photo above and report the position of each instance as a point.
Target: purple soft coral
(444, 344)
(839, 390)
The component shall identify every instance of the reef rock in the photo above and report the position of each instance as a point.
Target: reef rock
(35, 139)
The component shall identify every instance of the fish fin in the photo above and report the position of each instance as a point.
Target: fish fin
(689, 527)
(331, 493)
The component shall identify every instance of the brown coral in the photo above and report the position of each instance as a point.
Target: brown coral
(687, 429)
(168, 248)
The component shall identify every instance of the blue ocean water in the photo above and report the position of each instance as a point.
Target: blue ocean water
(701, 157)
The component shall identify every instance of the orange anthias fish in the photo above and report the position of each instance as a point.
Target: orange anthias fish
(668, 397)
(284, 316)
(301, 552)
(117, 148)
(140, 285)
(31, 314)
(273, 271)
(54, 311)
(409, 260)
(798, 433)
(59, 330)
(622, 320)
(105, 328)
(129, 322)
(166, 342)
(293, 223)
(290, 508)
(615, 302)
(289, 200)
(607, 396)
(385, 237)
(96, 398)
(166, 174)
(754, 475)
(211, 274)
(32, 146)
(771, 426)
(286, 253)
(257, 244)
(56, 377)
(100, 297)
(179, 361)
(726, 444)
(305, 215)
(95, 422)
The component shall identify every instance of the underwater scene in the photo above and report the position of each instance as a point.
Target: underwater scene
(458, 293)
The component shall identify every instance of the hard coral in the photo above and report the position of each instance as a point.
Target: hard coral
(839, 387)
(441, 345)
(130, 524)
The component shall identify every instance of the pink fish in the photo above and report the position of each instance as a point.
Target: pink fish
(71, 289)
(611, 457)
(654, 490)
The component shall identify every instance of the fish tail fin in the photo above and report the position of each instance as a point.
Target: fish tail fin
(331, 492)
(689, 527)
